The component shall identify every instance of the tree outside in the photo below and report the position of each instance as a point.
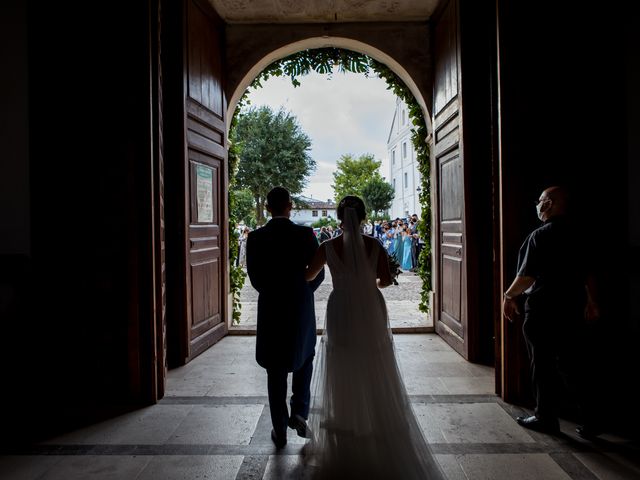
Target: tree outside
(352, 174)
(325, 222)
(245, 207)
(377, 196)
(273, 152)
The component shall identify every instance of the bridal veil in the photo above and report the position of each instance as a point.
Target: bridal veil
(362, 421)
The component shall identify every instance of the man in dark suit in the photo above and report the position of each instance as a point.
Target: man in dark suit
(277, 256)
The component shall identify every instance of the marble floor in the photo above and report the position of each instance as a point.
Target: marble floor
(214, 424)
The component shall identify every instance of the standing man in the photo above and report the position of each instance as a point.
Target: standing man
(277, 256)
(553, 274)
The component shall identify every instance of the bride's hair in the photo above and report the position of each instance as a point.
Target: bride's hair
(351, 201)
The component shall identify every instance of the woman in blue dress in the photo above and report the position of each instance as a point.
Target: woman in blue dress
(407, 259)
(391, 238)
(397, 243)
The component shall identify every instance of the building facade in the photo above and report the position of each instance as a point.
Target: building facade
(403, 166)
(313, 211)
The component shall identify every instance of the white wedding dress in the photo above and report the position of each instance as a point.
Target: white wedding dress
(362, 421)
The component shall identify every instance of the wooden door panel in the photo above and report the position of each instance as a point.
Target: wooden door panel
(204, 60)
(451, 189)
(450, 305)
(451, 293)
(206, 304)
(207, 162)
(451, 241)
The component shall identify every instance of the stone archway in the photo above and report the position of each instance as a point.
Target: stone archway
(403, 49)
(400, 75)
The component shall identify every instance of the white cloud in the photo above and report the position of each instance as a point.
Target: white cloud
(348, 113)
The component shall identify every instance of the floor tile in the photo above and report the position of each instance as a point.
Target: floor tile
(286, 466)
(451, 467)
(533, 466)
(469, 423)
(610, 466)
(150, 425)
(26, 467)
(108, 467)
(192, 467)
(420, 385)
(218, 424)
(470, 385)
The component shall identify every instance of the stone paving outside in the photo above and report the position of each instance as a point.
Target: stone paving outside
(402, 303)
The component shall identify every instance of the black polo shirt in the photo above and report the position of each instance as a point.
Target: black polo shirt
(556, 256)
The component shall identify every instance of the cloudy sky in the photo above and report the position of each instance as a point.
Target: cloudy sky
(348, 113)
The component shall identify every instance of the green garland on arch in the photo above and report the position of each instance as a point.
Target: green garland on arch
(323, 60)
(236, 273)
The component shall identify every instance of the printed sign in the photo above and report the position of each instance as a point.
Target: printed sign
(204, 189)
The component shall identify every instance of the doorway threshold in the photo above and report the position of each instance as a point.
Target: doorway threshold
(320, 331)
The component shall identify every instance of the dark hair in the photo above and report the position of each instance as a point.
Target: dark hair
(351, 201)
(278, 199)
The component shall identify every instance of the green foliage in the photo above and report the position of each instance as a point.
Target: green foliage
(245, 208)
(325, 222)
(273, 151)
(377, 195)
(322, 60)
(352, 174)
(236, 274)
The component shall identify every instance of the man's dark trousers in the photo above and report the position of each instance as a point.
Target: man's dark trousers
(551, 338)
(300, 398)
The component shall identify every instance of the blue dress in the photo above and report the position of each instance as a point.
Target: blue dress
(392, 242)
(407, 259)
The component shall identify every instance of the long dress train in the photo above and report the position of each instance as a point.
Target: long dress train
(362, 421)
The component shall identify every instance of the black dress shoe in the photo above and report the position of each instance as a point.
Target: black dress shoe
(534, 423)
(299, 424)
(280, 441)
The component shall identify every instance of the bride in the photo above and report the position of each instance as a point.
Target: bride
(362, 423)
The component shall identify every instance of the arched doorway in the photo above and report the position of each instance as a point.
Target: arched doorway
(219, 61)
(360, 111)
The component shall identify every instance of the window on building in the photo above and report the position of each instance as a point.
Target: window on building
(403, 117)
(314, 213)
(394, 183)
(324, 213)
(404, 150)
(406, 179)
(393, 157)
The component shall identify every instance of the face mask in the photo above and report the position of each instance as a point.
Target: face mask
(539, 209)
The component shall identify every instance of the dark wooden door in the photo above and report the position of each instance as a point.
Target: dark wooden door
(195, 184)
(450, 306)
(205, 165)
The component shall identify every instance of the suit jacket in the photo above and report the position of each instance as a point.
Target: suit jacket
(277, 256)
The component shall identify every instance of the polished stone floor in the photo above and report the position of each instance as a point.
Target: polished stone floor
(214, 424)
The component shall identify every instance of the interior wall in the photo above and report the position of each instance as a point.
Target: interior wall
(65, 348)
(407, 43)
(633, 158)
(14, 135)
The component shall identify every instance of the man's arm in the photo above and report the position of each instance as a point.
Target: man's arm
(254, 267)
(517, 288)
(316, 265)
(313, 248)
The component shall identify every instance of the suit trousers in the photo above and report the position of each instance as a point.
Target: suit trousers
(300, 398)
